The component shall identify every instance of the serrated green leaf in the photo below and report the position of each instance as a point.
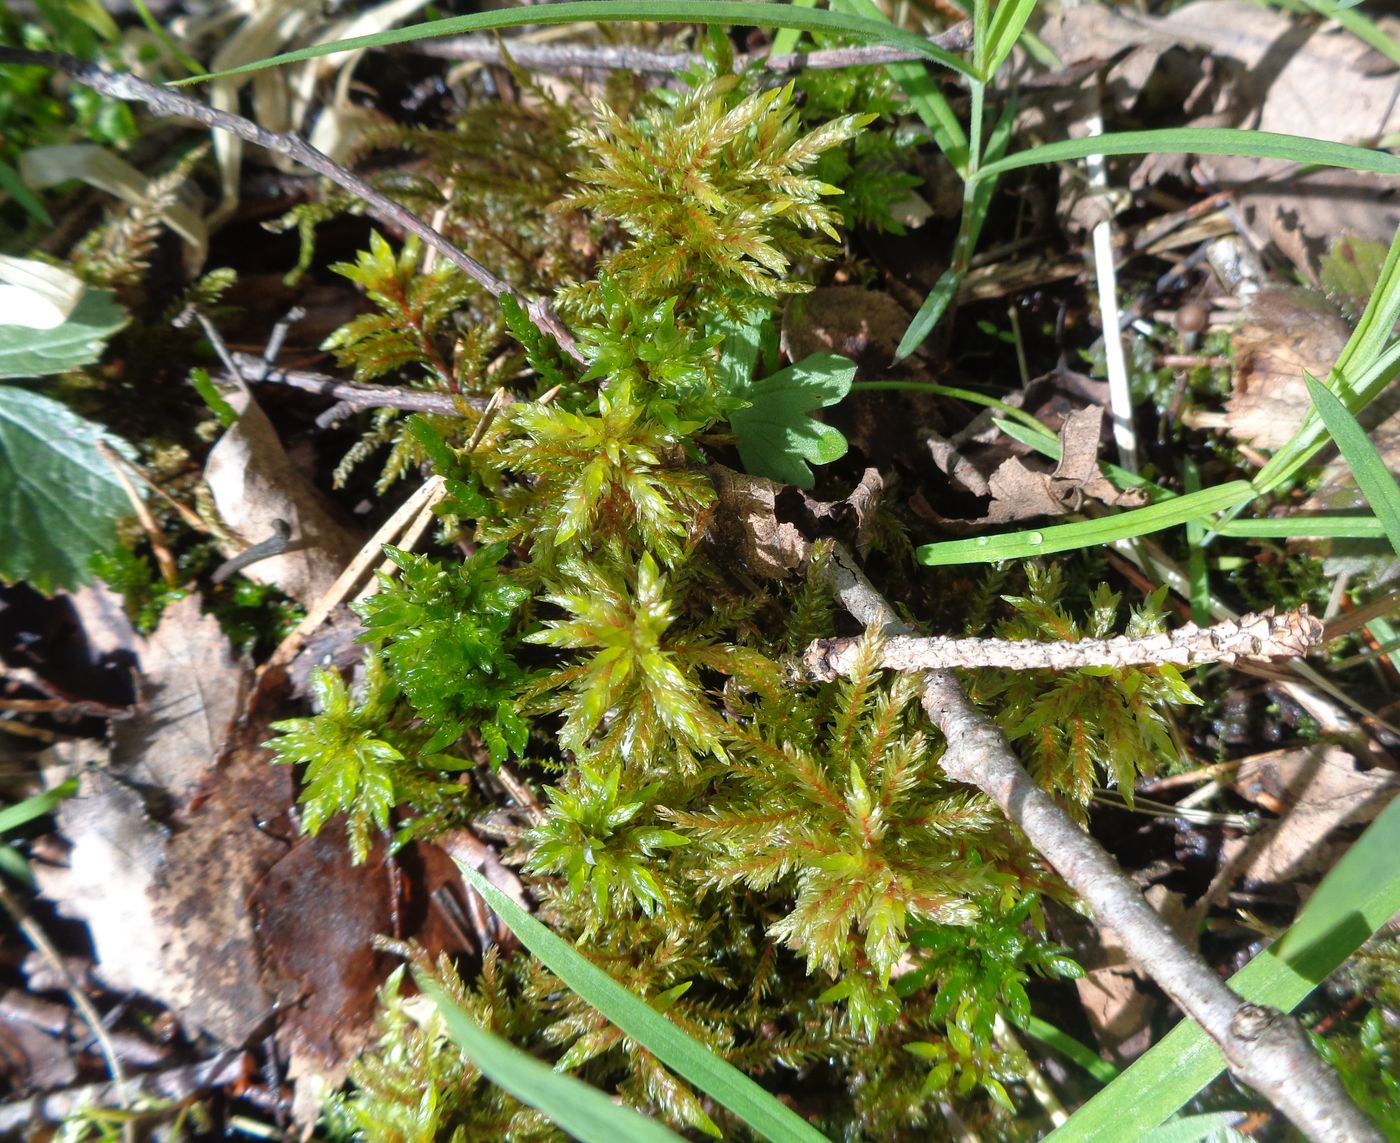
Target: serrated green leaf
(777, 437)
(59, 500)
(26, 352)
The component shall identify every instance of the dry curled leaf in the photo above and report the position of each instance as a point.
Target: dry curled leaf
(1285, 331)
(255, 485)
(746, 523)
(1315, 789)
(1020, 493)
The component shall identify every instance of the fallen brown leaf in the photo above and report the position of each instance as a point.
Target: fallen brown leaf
(1315, 789)
(1020, 493)
(254, 485)
(746, 524)
(1285, 331)
(1253, 68)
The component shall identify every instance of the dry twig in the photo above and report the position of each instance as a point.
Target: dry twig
(40, 940)
(1263, 1047)
(606, 57)
(171, 104)
(255, 370)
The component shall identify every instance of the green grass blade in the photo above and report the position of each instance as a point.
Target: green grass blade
(12, 862)
(1358, 25)
(1087, 533)
(1007, 24)
(922, 91)
(1287, 527)
(1215, 1126)
(969, 395)
(13, 185)
(1037, 436)
(584, 1112)
(786, 39)
(977, 201)
(689, 1059)
(1366, 464)
(12, 817)
(624, 11)
(1354, 900)
(930, 313)
(1202, 141)
(1066, 1045)
(1197, 570)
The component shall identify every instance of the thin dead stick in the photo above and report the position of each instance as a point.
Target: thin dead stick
(414, 532)
(188, 515)
(40, 940)
(171, 104)
(576, 57)
(171, 1084)
(1263, 1047)
(431, 491)
(1262, 636)
(255, 370)
(169, 570)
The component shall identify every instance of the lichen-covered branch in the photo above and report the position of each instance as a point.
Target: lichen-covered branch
(1262, 636)
(171, 104)
(1264, 1048)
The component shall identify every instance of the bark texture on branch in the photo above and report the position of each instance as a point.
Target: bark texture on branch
(257, 370)
(1261, 636)
(1263, 1048)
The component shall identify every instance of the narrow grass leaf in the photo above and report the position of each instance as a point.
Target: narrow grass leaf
(1387, 640)
(1287, 527)
(683, 1055)
(1087, 533)
(1355, 899)
(12, 817)
(935, 305)
(1217, 1126)
(1007, 23)
(786, 39)
(1366, 464)
(12, 863)
(1202, 141)
(922, 91)
(977, 202)
(1037, 436)
(970, 395)
(1066, 1045)
(1197, 571)
(1358, 24)
(12, 185)
(623, 11)
(584, 1112)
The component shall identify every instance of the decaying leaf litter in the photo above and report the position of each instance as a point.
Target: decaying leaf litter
(212, 917)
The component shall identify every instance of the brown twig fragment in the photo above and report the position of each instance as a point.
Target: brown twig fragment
(1263, 1047)
(1262, 636)
(255, 370)
(40, 940)
(171, 104)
